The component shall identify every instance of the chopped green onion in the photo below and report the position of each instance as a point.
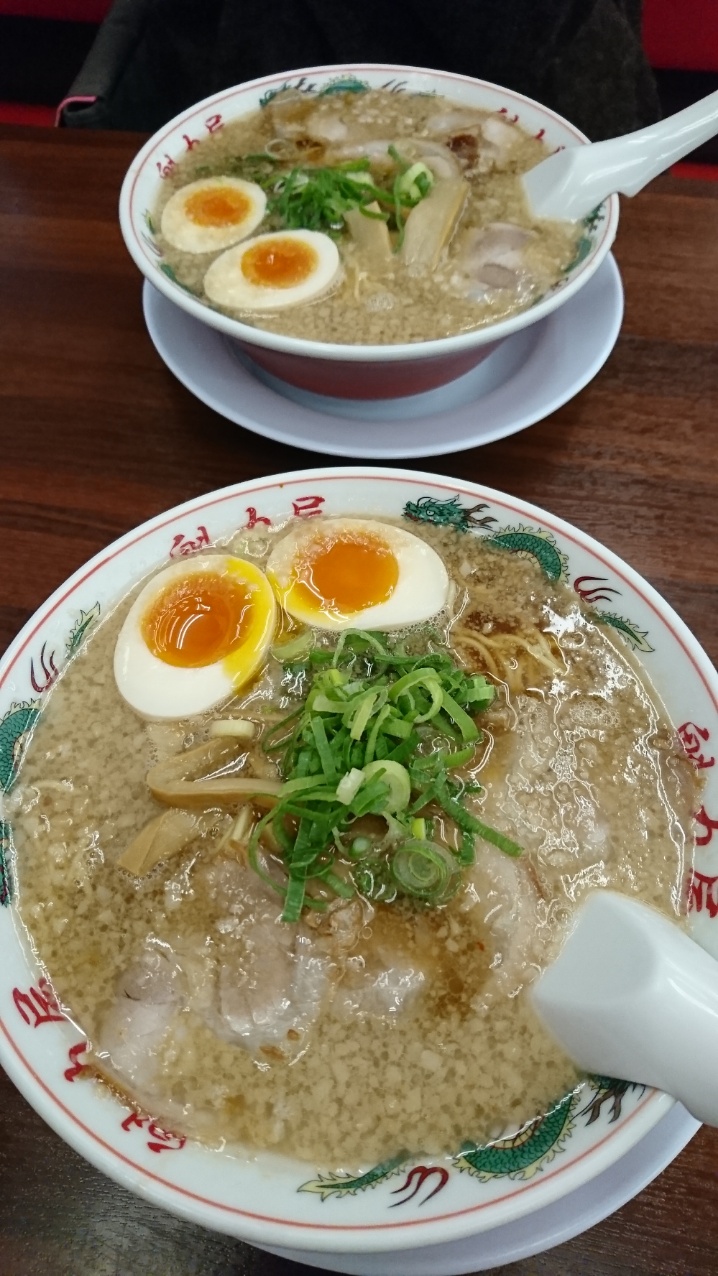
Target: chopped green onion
(467, 850)
(416, 182)
(396, 727)
(378, 723)
(297, 648)
(359, 848)
(414, 678)
(372, 798)
(293, 900)
(466, 725)
(459, 756)
(334, 677)
(325, 704)
(396, 777)
(504, 843)
(362, 714)
(325, 753)
(367, 740)
(302, 783)
(479, 690)
(425, 871)
(349, 785)
(340, 887)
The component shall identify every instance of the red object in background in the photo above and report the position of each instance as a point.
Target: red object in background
(56, 10)
(20, 113)
(695, 172)
(90, 11)
(680, 35)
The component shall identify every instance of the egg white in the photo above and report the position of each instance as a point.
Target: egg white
(227, 285)
(421, 591)
(180, 230)
(163, 692)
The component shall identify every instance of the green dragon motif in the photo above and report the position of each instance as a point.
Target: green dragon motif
(583, 248)
(347, 85)
(301, 85)
(594, 219)
(343, 84)
(20, 717)
(635, 637)
(349, 1185)
(587, 240)
(169, 271)
(608, 1088)
(18, 721)
(449, 513)
(519, 1157)
(5, 882)
(528, 542)
(84, 622)
(525, 1153)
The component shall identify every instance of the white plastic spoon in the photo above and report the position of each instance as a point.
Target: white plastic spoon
(632, 996)
(571, 183)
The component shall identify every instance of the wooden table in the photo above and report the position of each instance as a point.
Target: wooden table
(96, 436)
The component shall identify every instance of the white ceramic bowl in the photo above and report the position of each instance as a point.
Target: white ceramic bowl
(346, 371)
(267, 1199)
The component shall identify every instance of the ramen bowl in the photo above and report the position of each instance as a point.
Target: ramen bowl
(342, 369)
(267, 1199)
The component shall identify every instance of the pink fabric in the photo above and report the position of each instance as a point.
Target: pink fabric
(66, 101)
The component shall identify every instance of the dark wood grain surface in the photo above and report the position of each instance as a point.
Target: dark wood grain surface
(96, 435)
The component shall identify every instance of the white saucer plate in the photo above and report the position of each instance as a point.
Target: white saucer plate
(530, 375)
(535, 1232)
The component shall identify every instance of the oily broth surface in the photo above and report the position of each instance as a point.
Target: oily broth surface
(579, 767)
(393, 307)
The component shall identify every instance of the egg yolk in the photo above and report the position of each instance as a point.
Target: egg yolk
(197, 620)
(220, 206)
(346, 576)
(279, 263)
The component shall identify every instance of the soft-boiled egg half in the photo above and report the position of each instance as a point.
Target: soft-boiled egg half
(196, 633)
(275, 270)
(212, 214)
(340, 572)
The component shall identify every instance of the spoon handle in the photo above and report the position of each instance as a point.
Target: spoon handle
(634, 160)
(572, 182)
(631, 995)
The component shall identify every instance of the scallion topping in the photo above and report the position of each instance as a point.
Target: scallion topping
(379, 733)
(296, 648)
(314, 197)
(425, 870)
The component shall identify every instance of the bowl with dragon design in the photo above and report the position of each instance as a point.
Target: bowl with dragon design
(335, 365)
(403, 1201)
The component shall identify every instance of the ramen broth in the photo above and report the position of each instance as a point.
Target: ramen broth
(481, 256)
(351, 1035)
